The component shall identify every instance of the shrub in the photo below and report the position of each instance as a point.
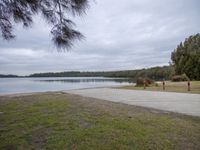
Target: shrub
(156, 84)
(178, 78)
(140, 81)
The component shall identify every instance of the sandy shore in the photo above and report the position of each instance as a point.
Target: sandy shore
(188, 104)
(168, 101)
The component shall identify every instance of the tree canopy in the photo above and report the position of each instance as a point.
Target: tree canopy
(186, 57)
(155, 73)
(55, 12)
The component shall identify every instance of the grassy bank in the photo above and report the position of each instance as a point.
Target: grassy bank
(62, 121)
(169, 87)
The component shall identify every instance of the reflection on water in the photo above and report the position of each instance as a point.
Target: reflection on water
(78, 80)
(27, 85)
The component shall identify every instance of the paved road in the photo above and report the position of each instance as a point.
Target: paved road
(169, 101)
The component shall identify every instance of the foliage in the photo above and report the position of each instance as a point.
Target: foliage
(155, 73)
(186, 57)
(55, 12)
(178, 78)
(140, 81)
(8, 76)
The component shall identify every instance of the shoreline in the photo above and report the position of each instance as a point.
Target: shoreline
(40, 120)
(31, 93)
(147, 104)
(173, 101)
(93, 99)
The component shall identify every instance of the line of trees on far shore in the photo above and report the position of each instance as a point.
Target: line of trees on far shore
(155, 73)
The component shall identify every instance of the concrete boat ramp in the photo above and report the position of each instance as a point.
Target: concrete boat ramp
(169, 101)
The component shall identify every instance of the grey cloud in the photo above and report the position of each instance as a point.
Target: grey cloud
(119, 35)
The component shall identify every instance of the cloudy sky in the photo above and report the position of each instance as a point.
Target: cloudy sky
(120, 35)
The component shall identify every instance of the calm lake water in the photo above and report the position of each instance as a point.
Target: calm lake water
(27, 85)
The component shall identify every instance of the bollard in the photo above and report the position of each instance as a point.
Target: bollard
(144, 83)
(188, 85)
(163, 85)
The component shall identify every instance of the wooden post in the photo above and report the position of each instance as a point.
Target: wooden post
(163, 85)
(144, 83)
(188, 85)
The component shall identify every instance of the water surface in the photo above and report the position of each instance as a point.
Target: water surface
(27, 85)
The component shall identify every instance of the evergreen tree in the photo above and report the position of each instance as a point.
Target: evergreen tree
(186, 57)
(55, 12)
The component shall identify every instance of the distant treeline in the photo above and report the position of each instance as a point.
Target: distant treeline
(155, 73)
(8, 76)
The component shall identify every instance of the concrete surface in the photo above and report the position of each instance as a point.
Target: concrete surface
(169, 101)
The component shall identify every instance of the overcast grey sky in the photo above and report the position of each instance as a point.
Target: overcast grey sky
(120, 35)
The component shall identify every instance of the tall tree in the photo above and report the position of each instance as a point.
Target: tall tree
(186, 57)
(55, 12)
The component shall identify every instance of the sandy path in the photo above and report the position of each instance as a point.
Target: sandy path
(176, 102)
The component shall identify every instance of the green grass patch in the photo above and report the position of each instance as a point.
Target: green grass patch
(62, 121)
(180, 87)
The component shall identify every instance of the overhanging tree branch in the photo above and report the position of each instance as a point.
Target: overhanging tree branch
(55, 12)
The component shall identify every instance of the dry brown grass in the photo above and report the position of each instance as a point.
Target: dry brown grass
(170, 87)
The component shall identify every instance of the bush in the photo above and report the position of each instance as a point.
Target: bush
(178, 78)
(156, 84)
(140, 81)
